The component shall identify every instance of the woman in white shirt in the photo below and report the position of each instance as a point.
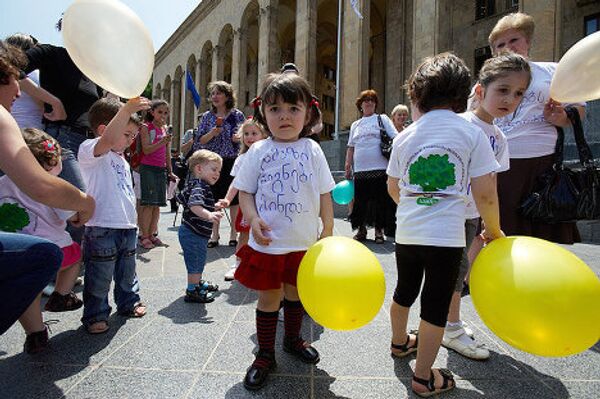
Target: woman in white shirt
(366, 164)
(531, 134)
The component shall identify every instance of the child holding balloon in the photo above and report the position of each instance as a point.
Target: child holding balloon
(249, 133)
(155, 162)
(430, 168)
(502, 82)
(282, 197)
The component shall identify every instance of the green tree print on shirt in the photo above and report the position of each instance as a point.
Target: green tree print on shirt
(432, 173)
(13, 218)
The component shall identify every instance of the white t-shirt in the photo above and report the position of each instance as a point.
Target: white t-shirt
(108, 180)
(434, 160)
(287, 180)
(499, 145)
(26, 110)
(528, 133)
(30, 217)
(237, 164)
(366, 140)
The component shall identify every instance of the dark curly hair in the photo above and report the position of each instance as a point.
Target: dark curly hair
(290, 88)
(224, 88)
(12, 60)
(441, 81)
(44, 147)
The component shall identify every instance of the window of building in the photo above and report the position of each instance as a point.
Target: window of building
(481, 54)
(591, 24)
(329, 73)
(328, 103)
(484, 8)
(512, 4)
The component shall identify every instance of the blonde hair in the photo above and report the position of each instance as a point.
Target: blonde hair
(240, 133)
(400, 108)
(522, 22)
(203, 156)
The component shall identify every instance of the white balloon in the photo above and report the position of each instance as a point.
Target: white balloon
(110, 44)
(577, 77)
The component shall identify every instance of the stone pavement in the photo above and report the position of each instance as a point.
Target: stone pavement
(182, 350)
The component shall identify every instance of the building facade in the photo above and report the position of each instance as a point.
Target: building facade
(240, 41)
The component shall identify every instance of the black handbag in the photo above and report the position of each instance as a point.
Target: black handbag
(386, 141)
(565, 194)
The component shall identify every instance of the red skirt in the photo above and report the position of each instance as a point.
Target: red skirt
(260, 271)
(241, 226)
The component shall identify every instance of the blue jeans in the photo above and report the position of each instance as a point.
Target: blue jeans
(27, 264)
(108, 253)
(194, 249)
(70, 142)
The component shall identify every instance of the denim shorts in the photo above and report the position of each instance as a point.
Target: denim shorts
(194, 249)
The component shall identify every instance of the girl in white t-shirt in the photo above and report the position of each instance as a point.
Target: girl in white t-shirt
(502, 82)
(249, 133)
(430, 168)
(284, 189)
(26, 216)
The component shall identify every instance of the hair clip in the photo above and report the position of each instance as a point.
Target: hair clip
(49, 145)
(257, 102)
(250, 117)
(314, 103)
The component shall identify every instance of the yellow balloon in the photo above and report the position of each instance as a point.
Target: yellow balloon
(110, 44)
(537, 296)
(577, 76)
(341, 283)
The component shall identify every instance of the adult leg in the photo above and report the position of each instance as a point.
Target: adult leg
(27, 264)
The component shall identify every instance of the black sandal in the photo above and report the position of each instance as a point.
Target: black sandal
(404, 348)
(447, 377)
(361, 235)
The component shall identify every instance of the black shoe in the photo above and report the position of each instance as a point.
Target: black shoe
(208, 285)
(63, 303)
(302, 350)
(36, 342)
(198, 295)
(257, 374)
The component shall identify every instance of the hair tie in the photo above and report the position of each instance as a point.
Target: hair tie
(250, 118)
(314, 103)
(48, 145)
(257, 102)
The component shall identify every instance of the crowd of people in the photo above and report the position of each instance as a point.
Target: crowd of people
(87, 174)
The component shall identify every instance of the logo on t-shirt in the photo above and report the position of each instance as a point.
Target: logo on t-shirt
(433, 173)
(13, 218)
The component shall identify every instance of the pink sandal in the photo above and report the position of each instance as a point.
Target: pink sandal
(146, 243)
(156, 241)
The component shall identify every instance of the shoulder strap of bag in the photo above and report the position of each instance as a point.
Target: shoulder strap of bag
(585, 152)
(382, 129)
(558, 150)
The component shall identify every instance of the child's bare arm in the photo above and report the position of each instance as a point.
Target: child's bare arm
(486, 198)
(205, 214)
(326, 214)
(393, 188)
(225, 202)
(116, 127)
(258, 226)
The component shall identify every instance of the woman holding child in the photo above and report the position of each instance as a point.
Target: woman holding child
(217, 133)
(531, 134)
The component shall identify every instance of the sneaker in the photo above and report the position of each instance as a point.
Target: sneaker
(208, 285)
(36, 342)
(63, 303)
(199, 295)
(457, 341)
(229, 275)
(48, 290)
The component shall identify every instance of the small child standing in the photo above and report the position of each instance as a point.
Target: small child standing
(430, 168)
(284, 188)
(21, 214)
(155, 169)
(197, 222)
(110, 236)
(249, 133)
(502, 82)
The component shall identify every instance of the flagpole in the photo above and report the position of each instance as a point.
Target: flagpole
(337, 71)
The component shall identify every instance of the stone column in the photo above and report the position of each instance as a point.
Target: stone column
(394, 77)
(543, 12)
(238, 65)
(268, 45)
(218, 55)
(171, 101)
(306, 39)
(432, 29)
(178, 132)
(200, 89)
(176, 106)
(355, 60)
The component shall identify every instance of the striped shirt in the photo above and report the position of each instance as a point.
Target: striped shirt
(197, 192)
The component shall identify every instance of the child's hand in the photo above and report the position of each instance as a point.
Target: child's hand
(172, 177)
(555, 114)
(137, 104)
(259, 229)
(235, 138)
(222, 204)
(327, 232)
(489, 235)
(215, 216)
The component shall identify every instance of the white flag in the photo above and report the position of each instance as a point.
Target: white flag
(355, 8)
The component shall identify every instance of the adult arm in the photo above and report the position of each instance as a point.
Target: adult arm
(21, 166)
(554, 113)
(58, 110)
(393, 188)
(349, 162)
